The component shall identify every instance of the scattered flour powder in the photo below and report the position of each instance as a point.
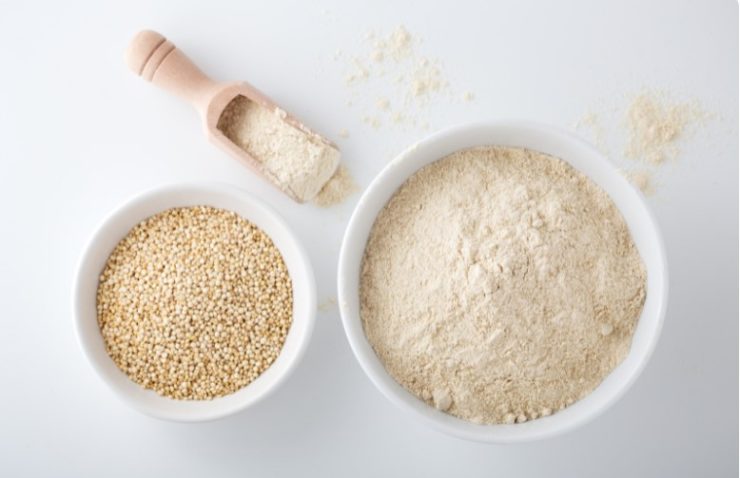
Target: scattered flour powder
(393, 66)
(337, 189)
(654, 126)
(292, 157)
(642, 180)
(500, 285)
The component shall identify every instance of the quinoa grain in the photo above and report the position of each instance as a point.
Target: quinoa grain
(194, 303)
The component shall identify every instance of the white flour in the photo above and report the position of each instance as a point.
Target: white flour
(337, 189)
(655, 124)
(297, 159)
(500, 285)
(393, 65)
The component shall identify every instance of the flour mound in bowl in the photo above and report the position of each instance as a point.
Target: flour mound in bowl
(500, 285)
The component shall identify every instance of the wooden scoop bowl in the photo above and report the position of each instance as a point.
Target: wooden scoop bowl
(153, 57)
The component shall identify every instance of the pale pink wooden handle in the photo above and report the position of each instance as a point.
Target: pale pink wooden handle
(156, 59)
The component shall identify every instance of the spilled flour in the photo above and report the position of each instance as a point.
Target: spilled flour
(590, 121)
(403, 81)
(652, 129)
(655, 126)
(500, 285)
(642, 180)
(327, 304)
(337, 189)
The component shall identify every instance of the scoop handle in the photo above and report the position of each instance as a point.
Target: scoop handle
(156, 59)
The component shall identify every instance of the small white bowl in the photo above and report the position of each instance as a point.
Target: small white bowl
(118, 224)
(584, 158)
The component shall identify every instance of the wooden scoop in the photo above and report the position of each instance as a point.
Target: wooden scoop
(156, 59)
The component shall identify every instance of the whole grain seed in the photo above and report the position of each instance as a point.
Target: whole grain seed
(194, 303)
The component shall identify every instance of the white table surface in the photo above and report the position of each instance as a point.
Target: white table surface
(80, 134)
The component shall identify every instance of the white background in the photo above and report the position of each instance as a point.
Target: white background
(79, 134)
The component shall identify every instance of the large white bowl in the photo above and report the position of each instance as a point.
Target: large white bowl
(584, 158)
(118, 224)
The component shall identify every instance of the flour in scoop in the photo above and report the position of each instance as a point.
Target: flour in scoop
(500, 285)
(291, 156)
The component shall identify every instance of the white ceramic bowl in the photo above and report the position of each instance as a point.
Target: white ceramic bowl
(118, 224)
(584, 158)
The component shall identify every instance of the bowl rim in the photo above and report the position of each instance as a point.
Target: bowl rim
(403, 399)
(214, 188)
